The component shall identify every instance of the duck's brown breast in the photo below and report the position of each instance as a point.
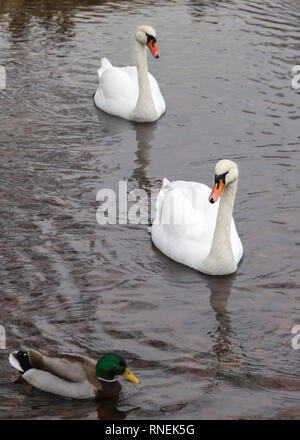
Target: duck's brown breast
(109, 390)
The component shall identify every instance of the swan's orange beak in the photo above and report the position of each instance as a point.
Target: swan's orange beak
(216, 191)
(153, 48)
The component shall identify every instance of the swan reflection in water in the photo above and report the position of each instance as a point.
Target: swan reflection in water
(144, 138)
(114, 128)
(220, 289)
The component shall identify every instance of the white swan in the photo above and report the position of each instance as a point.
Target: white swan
(194, 232)
(131, 92)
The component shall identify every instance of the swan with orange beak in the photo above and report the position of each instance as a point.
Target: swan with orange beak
(194, 232)
(132, 92)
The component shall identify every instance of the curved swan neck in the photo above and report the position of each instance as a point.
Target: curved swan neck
(145, 99)
(221, 247)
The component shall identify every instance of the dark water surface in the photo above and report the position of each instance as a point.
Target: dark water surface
(203, 347)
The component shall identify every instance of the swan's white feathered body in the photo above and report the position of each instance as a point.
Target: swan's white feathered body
(184, 227)
(132, 92)
(118, 92)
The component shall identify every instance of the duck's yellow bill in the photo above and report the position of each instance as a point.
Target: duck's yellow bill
(129, 376)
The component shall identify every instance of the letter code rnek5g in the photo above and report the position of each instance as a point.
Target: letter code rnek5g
(171, 429)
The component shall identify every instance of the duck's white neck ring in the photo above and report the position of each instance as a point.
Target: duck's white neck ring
(106, 380)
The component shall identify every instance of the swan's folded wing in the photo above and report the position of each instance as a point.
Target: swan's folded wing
(104, 64)
(184, 220)
(237, 247)
(174, 208)
(194, 197)
(120, 83)
(158, 98)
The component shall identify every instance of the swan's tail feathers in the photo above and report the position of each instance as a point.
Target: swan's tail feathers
(161, 195)
(20, 361)
(104, 64)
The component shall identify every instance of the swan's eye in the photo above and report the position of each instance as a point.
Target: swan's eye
(220, 177)
(151, 38)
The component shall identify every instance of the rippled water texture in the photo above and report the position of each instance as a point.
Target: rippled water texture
(203, 347)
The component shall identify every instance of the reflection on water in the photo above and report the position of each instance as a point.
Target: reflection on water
(220, 292)
(203, 347)
(109, 411)
(144, 138)
(51, 16)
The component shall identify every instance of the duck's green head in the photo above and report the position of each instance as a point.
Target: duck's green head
(111, 365)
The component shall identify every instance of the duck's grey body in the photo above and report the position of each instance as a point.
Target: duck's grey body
(68, 375)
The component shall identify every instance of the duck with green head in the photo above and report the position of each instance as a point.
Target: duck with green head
(72, 375)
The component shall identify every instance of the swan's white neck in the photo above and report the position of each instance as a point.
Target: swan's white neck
(145, 108)
(220, 260)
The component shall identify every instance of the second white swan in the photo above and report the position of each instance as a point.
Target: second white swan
(131, 92)
(194, 232)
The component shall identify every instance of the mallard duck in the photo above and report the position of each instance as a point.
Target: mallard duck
(131, 92)
(72, 375)
(194, 232)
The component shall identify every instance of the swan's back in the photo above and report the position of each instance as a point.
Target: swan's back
(117, 92)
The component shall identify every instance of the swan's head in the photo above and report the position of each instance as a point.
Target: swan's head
(146, 35)
(226, 173)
